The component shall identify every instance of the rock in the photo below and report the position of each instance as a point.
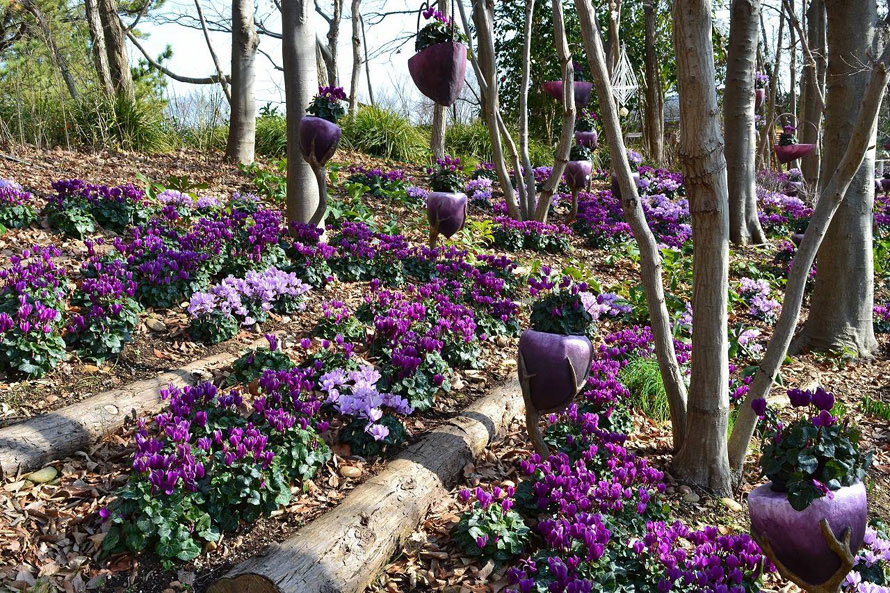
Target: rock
(691, 497)
(43, 476)
(350, 471)
(457, 384)
(155, 324)
(732, 505)
(684, 489)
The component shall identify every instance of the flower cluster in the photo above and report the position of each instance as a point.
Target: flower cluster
(447, 176)
(813, 455)
(757, 294)
(16, 208)
(871, 573)
(77, 204)
(491, 529)
(440, 29)
(786, 136)
(328, 103)
(760, 80)
(380, 183)
(365, 255)
(514, 235)
(217, 313)
(780, 213)
(882, 318)
(479, 190)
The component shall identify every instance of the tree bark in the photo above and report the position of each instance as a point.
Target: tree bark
(356, 56)
(843, 318)
(792, 61)
(654, 98)
(321, 68)
(561, 157)
(814, 83)
(614, 50)
(344, 549)
(242, 118)
(527, 174)
(367, 62)
(437, 132)
(860, 142)
(703, 459)
(58, 56)
(330, 52)
(738, 118)
(30, 444)
(100, 52)
(650, 257)
(767, 134)
(115, 42)
(300, 84)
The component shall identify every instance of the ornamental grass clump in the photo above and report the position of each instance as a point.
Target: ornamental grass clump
(16, 207)
(104, 312)
(372, 426)
(816, 454)
(210, 461)
(491, 529)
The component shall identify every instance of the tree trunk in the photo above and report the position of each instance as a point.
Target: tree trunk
(58, 57)
(654, 97)
(856, 146)
(768, 132)
(115, 43)
(528, 204)
(356, 56)
(100, 52)
(650, 257)
(614, 50)
(300, 84)
(343, 550)
(437, 133)
(333, 37)
(367, 63)
(321, 67)
(242, 118)
(738, 118)
(792, 63)
(703, 459)
(814, 83)
(843, 318)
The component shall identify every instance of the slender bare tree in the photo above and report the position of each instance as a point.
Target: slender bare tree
(437, 131)
(97, 41)
(813, 90)
(329, 50)
(356, 55)
(738, 118)
(115, 42)
(242, 119)
(654, 128)
(300, 84)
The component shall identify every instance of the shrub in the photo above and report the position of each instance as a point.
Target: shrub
(383, 133)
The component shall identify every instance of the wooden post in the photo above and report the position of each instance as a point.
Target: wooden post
(532, 417)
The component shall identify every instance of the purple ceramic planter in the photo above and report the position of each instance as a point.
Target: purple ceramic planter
(792, 152)
(588, 139)
(616, 189)
(797, 239)
(548, 358)
(796, 536)
(439, 71)
(578, 174)
(318, 139)
(885, 185)
(446, 212)
(759, 96)
(582, 91)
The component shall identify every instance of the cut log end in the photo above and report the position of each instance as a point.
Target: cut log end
(243, 583)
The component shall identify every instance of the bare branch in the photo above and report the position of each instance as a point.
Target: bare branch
(162, 69)
(219, 71)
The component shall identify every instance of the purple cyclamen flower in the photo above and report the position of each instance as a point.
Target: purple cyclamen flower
(759, 406)
(822, 399)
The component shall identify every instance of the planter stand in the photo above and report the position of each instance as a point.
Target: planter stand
(842, 549)
(532, 416)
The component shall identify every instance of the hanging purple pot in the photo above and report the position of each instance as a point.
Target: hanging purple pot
(796, 536)
(439, 71)
(447, 212)
(578, 174)
(582, 91)
(759, 96)
(791, 152)
(318, 139)
(588, 139)
(557, 367)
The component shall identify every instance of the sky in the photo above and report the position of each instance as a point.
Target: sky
(389, 71)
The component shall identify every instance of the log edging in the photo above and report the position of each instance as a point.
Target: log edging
(31, 443)
(343, 550)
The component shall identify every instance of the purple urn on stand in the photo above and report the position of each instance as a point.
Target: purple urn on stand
(439, 67)
(580, 87)
(788, 150)
(552, 369)
(810, 519)
(577, 174)
(319, 137)
(760, 81)
(446, 206)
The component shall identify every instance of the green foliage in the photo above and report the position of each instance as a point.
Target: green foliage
(363, 444)
(501, 533)
(34, 354)
(214, 328)
(437, 32)
(105, 337)
(252, 364)
(562, 312)
(72, 222)
(580, 153)
(17, 216)
(137, 125)
(383, 133)
(271, 133)
(875, 407)
(642, 377)
(271, 185)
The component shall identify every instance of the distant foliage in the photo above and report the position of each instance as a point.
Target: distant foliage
(383, 133)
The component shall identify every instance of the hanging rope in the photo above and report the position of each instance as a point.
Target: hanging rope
(624, 81)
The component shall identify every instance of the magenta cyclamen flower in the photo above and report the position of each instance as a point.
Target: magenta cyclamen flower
(799, 398)
(759, 406)
(822, 399)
